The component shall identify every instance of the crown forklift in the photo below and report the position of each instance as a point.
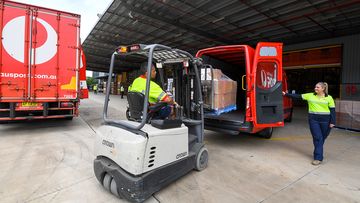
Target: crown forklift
(137, 157)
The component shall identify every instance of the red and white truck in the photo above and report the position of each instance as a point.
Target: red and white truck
(42, 68)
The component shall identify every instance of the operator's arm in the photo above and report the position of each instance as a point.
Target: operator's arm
(159, 94)
(168, 99)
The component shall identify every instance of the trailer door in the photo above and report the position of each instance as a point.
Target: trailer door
(56, 55)
(267, 99)
(14, 53)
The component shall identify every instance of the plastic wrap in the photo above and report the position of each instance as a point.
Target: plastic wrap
(219, 94)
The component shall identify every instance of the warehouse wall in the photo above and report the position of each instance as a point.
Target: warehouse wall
(350, 73)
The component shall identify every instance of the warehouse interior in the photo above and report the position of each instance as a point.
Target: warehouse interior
(320, 38)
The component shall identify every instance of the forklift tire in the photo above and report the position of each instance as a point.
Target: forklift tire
(128, 114)
(266, 133)
(202, 158)
(113, 188)
(107, 182)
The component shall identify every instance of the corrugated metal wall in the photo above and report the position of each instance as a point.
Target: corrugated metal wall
(350, 73)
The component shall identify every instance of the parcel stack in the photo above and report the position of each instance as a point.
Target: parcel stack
(219, 91)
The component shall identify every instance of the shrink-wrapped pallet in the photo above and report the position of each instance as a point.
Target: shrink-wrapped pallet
(219, 93)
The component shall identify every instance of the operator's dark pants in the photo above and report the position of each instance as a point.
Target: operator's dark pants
(319, 127)
(163, 113)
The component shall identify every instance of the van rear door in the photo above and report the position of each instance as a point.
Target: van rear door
(267, 99)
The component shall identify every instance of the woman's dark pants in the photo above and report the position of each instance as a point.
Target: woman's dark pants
(319, 127)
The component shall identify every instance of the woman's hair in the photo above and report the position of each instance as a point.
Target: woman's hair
(325, 86)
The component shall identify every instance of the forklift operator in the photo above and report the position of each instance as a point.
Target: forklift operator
(156, 93)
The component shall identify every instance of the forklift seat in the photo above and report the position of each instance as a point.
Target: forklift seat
(136, 105)
(135, 112)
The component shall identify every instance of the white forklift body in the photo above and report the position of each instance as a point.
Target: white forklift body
(137, 154)
(137, 157)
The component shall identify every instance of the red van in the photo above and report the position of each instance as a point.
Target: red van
(258, 72)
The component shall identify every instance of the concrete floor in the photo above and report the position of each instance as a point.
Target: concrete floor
(51, 161)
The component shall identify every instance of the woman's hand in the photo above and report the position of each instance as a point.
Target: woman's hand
(331, 125)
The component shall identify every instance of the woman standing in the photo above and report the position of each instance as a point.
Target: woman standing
(321, 116)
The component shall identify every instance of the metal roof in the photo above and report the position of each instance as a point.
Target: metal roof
(195, 24)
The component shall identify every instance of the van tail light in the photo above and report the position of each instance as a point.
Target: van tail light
(247, 102)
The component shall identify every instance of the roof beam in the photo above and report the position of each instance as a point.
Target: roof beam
(177, 24)
(314, 21)
(268, 16)
(344, 5)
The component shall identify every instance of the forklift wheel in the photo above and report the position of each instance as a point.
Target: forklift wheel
(202, 158)
(107, 182)
(113, 188)
(128, 114)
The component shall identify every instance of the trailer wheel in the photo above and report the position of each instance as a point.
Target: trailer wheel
(113, 188)
(107, 181)
(266, 133)
(202, 158)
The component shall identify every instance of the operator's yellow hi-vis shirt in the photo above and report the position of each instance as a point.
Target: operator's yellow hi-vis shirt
(156, 94)
(319, 105)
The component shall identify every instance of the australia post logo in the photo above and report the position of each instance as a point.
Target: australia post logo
(14, 40)
(267, 75)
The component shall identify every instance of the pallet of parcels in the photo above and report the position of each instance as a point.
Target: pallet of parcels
(219, 93)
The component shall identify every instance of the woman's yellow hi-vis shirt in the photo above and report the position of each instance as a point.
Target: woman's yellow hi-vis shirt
(319, 105)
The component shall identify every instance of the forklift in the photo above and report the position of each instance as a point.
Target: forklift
(139, 156)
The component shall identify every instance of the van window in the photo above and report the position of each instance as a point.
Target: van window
(266, 75)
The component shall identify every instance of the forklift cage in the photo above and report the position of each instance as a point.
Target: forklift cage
(162, 52)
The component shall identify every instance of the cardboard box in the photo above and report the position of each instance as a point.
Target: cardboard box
(224, 90)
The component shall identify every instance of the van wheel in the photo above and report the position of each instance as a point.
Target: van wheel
(289, 119)
(202, 158)
(266, 133)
